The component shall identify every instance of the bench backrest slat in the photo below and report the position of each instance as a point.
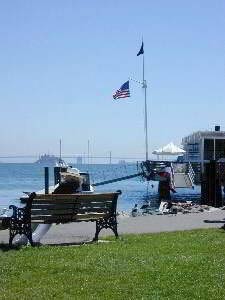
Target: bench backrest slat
(39, 212)
(69, 197)
(43, 212)
(62, 205)
(66, 218)
(71, 202)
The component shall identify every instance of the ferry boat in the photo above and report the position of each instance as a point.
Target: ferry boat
(50, 161)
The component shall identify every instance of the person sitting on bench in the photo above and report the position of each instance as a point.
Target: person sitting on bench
(71, 184)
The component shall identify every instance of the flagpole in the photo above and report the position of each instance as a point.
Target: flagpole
(144, 85)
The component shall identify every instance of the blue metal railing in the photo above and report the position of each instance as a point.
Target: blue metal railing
(191, 173)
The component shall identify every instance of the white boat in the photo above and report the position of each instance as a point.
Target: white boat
(47, 160)
(61, 163)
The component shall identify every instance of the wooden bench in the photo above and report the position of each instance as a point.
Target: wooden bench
(58, 208)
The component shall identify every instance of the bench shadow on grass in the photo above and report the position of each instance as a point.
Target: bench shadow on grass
(217, 222)
(222, 221)
(80, 243)
(6, 248)
(67, 244)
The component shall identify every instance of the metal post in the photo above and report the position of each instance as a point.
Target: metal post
(202, 155)
(46, 180)
(212, 193)
(57, 178)
(212, 183)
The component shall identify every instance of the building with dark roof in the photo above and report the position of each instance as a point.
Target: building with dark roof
(203, 146)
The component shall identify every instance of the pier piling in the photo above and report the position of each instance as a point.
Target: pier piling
(46, 180)
(211, 191)
(57, 175)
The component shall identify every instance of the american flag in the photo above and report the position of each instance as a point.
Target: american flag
(123, 92)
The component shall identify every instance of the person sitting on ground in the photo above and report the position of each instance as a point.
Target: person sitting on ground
(168, 205)
(171, 207)
(71, 184)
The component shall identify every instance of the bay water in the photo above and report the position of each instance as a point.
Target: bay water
(15, 178)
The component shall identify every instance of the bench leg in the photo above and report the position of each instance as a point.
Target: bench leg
(12, 233)
(28, 233)
(11, 237)
(29, 236)
(115, 231)
(95, 239)
(106, 223)
(22, 229)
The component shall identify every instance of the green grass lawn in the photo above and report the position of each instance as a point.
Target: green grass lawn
(177, 265)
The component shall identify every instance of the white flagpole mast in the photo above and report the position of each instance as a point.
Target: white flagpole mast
(144, 85)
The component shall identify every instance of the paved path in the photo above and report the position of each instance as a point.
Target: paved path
(78, 232)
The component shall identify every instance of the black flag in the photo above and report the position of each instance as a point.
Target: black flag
(141, 51)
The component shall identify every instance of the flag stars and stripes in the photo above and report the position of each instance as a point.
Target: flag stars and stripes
(123, 92)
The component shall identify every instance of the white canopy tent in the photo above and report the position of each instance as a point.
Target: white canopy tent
(169, 149)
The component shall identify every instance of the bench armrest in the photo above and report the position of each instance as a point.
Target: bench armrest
(18, 212)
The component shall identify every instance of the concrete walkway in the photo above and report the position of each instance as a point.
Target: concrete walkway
(79, 232)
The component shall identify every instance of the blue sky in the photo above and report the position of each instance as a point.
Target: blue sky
(61, 61)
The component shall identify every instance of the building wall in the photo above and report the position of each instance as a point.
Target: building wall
(204, 146)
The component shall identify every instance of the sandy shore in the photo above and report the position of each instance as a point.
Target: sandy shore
(80, 232)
